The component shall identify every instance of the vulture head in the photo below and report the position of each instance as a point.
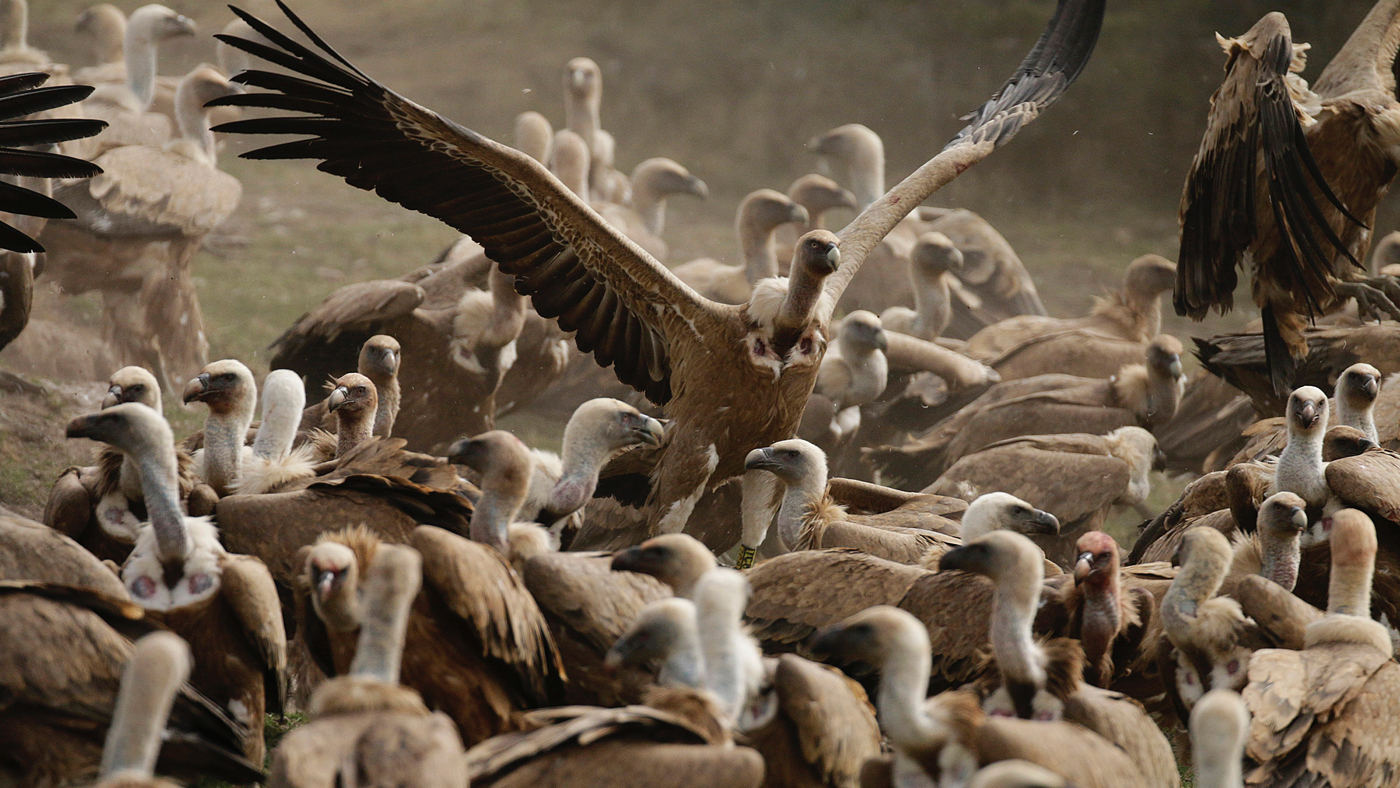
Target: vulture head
(999, 556)
(1149, 276)
(1353, 545)
(505, 466)
(1097, 558)
(1164, 357)
(225, 386)
(660, 178)
(1357, 389)
(155, 23)
(379, 357)
(1281, 522)
(331, 575)
(661, 629)
(160, 663)
(678, 560)
(846, 143)
(764, 210)
(862, 334)
(1203, 559)
(871, 637)
(1219, 731)
(611, 425)
(1343, 441)
(570, 161)
(933, 255)
(583, 79)
(133, 428)
(819, 194)
(133, 384)
(793, 461)
(1165, 381)
(1004, 511)
(1138, 448)
(104, 22)
(533, 135)
(354, 396)
(1307, 411)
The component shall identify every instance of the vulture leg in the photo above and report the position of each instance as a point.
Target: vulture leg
(1375, 296)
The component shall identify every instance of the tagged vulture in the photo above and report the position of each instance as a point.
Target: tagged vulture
(1079, 478)
(1287, 180)
(62, 651)
(760, 214)
(364, 722)
(224, 605)
(733, 378)
(1132, 312)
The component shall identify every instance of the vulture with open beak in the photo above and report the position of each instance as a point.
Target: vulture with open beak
(733, 377)
(1287, 180)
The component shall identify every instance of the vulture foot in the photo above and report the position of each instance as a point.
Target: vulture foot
(1376, 297)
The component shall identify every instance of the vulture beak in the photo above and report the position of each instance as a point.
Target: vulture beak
(618, 654)
(82, 427)
(1083, 565)
(833, 256)
(817, 145)
(1371, 387)
(1040, 522)
(338, 397)
(881, 340)
(197, 388)
(579, 78)
(1175, 367)
(842, 643)
(762, 460)
(650, 431)
(633, 559)
(697, 187)
(1307, 414)
(1159, 459)
(848, 200)
(464, 452)
(324, 580)
(185, 26)
(114, 397)
(798, 215)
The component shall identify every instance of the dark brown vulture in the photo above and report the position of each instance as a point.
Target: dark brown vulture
(1287, 180)
(733, 378)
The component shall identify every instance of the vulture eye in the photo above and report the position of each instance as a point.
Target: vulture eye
(359, 390)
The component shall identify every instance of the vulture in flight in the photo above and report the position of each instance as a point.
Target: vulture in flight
(1287, 179)
(732, 377)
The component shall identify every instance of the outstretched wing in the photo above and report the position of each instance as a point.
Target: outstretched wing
(1052, 65)
(1254, 118)
(1367, 60)
(22, 96)
(626, 308)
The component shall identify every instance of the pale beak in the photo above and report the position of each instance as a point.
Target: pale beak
(114, 396)
(337, 398)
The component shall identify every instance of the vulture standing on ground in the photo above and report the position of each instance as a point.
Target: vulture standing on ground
(733, 378)
(1287, 179)
(364, 722)
(225, 605)
(139, 226)
(62, 652)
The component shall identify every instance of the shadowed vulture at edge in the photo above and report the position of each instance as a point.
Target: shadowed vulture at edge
(733, 378)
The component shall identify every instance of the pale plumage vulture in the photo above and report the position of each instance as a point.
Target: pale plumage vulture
(365, 722)
(105, 24)
(62, 654)
(225, 605)
(933, 262)
(714, 366)
(1288, 179)
(994, 284)
(760, 214)
(379, 360)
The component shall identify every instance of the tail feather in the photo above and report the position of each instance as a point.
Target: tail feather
(1283, 367)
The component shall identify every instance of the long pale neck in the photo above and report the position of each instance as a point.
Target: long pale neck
(391, 585)
(803, 291)
(868, 177)
(161, 490)
(141, 64)
(352, 429)
(685, 664)
(723, 666)
(491, 519)
(1279, 559)
(801, 495)
(194, 121)
(760, 257)
(1361, 418)
(583, 116)
(14, 24)
(756, 512)
(1349, 589)
(387, 411)
(1300, 468)
(149, 684)
(932, 304)
(1217, 765)
(1195, 582)
(224, 435)
(900, 700)
(583, 458)
(1012, 616)
(278, 430)
(1150, 308)
(650, 206)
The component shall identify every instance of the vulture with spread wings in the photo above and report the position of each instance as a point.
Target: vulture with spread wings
(1287, 179)
(733, 378)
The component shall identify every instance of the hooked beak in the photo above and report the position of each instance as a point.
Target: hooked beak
(628, 560)
(882, 340)
(1371, 387)
(798, 215)
(696, 187)
(114, 397)
(337, 398)
(965, 558)
(324, 580)
(185, 26)
(1307, 415)
(650, 431)
(81, 427)
(579, 78)
(1040, 522)
(1083, 565)
(464, 452)
(762, 460)
(847, 200)
(1159, 459)
(197, 388)
(1175, 367)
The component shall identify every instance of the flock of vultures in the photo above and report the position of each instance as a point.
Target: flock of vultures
(829, 518)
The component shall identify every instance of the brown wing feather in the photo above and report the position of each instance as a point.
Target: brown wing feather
(250, 592)
(1068, 485)
(834, 721)
(479, 586)
(574, 265)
